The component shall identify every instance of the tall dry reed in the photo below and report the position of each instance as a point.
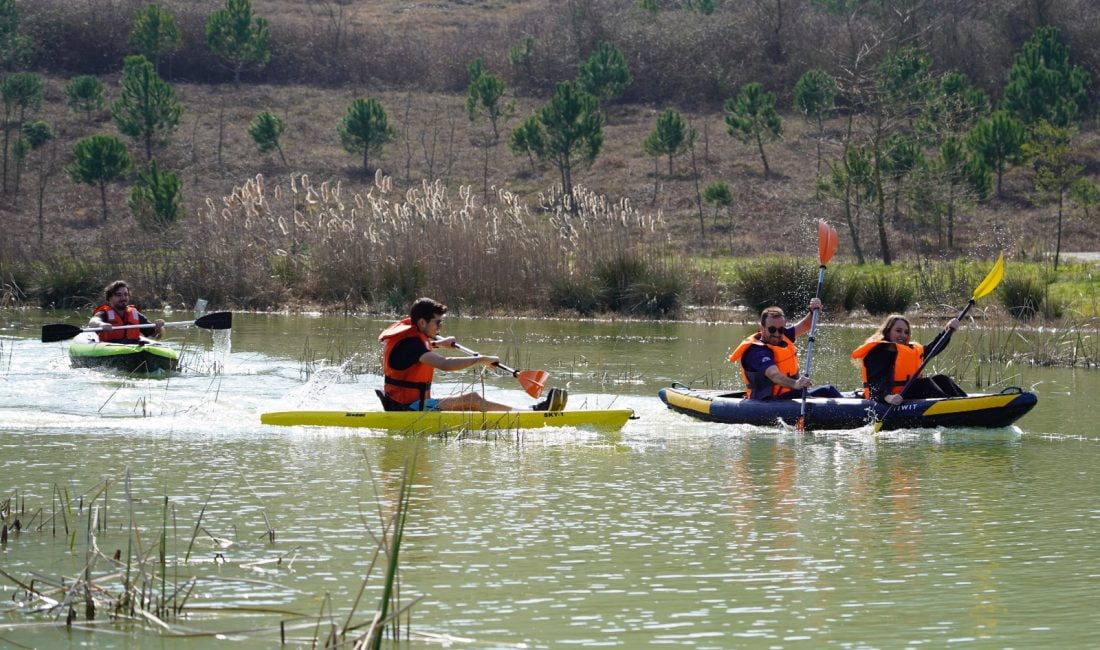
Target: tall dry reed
(265, 242)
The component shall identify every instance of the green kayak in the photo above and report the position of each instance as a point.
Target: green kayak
(145, 356)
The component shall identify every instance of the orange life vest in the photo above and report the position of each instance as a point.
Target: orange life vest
(756, 382)
(906, 363)
(415, 382)
(107, 314)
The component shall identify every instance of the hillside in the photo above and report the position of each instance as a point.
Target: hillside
(213, 153)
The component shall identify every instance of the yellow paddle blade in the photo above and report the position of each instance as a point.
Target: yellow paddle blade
(993, 279)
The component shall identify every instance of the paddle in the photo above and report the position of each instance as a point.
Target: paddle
(826, 246)
(533, 381)
(988, 284)
(220, 320)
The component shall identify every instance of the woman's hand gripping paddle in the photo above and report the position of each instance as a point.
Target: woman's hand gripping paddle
(826, 247)
(988, 284)
(533, 381)
(220, 320)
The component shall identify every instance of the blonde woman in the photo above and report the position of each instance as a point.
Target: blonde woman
(888, 359)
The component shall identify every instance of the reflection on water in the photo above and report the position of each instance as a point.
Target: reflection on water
(671, 531)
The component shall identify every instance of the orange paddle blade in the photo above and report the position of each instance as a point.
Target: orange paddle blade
(533, 381)
(826, 242)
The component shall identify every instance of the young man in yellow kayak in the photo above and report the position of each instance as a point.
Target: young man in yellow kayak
(118, 311)
(409, 362)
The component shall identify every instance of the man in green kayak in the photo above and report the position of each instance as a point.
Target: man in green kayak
(409, 361)
(117, 312)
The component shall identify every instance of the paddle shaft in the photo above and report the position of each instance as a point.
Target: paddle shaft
(129, 327)
(940, 342)
(515, 373)
(210, 321)
(810, 341)
(59, 331)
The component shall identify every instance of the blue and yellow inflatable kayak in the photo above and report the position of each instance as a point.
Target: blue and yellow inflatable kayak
(979, 410)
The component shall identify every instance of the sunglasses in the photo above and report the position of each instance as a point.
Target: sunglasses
(437, 321)
(772, 329)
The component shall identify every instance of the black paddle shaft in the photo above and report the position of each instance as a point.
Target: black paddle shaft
(515, 373)
(221, 320)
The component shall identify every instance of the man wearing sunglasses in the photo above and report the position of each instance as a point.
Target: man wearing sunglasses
(769, 358)
(409, 362)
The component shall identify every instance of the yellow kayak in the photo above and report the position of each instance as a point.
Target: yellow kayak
(436, 421)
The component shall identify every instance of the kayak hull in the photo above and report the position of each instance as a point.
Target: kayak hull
(439, 421)
(980, 410)
(148, 357)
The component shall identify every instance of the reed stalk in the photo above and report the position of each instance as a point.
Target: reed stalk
(147, 593)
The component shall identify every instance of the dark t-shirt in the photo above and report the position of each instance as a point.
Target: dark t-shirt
(407, 352)
(758, 357)
(880, 360)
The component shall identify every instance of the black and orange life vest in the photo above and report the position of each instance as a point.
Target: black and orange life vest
(906, 363)
(415, 382)
(107, 314)
(757, 384)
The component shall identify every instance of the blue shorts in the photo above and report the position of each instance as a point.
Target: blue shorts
(431, 404)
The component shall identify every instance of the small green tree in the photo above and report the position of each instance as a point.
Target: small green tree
(815, 97)
(146, 109)
(21, 93)
(954, 107)
(1052, 155)
(485, 101)
(33, 135)
(999, 141)
(605, 75)
(851, 181)
(365, 130)
(265, 132)
(670, 137)
(751, 118)
(901, 155)
(84, 94)
(233, 35)
(959, 179)
(14, 46)
(528, 140)
(718, 194)
(37, 135)
(1043, 84)
(573, 129)
(155, 34)
(99, 160)
(522, 55)
(156, 200)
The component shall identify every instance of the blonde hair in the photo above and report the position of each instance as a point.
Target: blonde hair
(883, 332)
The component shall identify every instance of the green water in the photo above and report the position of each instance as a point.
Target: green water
(671, 532)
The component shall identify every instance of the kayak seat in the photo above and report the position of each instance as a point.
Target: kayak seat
(389, 404)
